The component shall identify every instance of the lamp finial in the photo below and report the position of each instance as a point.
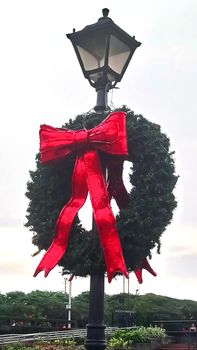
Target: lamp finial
(105, 12)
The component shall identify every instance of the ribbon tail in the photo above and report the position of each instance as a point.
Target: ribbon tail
(148, 268)
(145, 266)
(104, 218)
(65, 219)
(116, 187)
(50, 258)
(138, 274)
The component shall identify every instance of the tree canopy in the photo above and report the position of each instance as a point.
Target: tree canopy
(51, 305)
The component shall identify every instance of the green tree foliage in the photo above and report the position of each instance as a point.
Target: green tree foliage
(51, 305)
(80, 307)
(140, 225)
(37, 304)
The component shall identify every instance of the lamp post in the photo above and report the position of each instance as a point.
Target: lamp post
(104, 51)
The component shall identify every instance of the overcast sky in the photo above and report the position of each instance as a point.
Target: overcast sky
(41, 82)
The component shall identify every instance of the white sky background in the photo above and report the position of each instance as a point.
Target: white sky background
(41, 82)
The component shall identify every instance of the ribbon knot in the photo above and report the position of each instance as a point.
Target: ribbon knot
(108, 137)
(80, 139)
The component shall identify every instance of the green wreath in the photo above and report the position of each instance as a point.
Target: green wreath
(140, 226)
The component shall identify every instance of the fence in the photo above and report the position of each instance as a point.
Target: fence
(47, 336)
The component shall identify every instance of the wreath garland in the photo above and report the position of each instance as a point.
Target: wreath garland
(140, 225)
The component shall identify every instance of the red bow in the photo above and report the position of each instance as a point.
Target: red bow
(109, 137)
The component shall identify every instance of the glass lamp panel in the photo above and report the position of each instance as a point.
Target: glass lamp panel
(92, 50)
(118, 54)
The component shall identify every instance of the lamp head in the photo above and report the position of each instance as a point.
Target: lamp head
(104, 51)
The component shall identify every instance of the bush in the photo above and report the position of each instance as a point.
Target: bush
(17, 346)
(126, 337)
(118, 343)
(58, 344)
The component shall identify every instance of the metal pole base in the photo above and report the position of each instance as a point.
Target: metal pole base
(95, 328)
(95, 337)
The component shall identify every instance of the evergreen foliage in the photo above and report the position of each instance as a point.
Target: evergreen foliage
(140, 226)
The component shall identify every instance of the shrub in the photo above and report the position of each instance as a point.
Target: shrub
(125, 337)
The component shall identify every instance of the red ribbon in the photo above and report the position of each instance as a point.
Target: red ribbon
(146, 266)
(109, 137)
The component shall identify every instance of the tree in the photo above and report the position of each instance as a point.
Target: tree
(47, 304)
(145, 309)
(80, 308)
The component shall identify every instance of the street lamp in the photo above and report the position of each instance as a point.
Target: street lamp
(104, 51)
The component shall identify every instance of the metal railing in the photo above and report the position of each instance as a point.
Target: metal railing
(48, 336)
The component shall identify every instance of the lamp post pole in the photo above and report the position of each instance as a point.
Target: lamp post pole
(95, 339)
(104, 51)
(102, 97)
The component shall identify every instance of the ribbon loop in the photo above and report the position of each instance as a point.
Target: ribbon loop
(109, 137)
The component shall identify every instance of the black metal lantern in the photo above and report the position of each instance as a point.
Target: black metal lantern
(104, 51)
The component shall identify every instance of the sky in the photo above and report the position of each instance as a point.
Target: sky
(41, 82)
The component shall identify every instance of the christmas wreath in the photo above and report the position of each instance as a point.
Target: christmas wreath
(140, 223)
